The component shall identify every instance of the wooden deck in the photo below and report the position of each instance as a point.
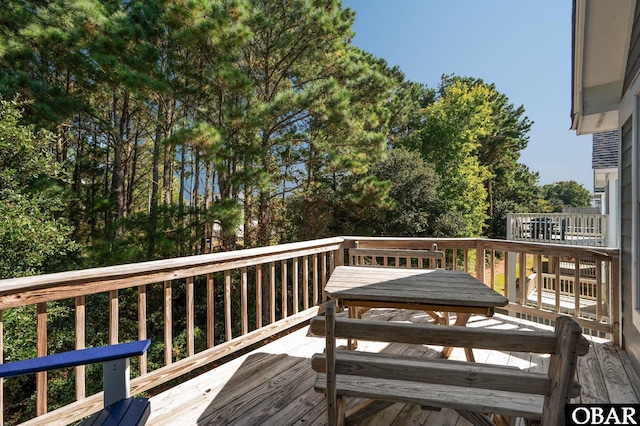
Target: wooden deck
(273, 385)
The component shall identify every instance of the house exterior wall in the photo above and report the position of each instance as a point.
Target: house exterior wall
(630, 334)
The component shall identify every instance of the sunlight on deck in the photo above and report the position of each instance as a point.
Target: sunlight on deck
(273, 385)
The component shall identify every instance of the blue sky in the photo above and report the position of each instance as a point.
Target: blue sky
(524, 48)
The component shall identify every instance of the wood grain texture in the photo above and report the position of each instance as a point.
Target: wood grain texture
(414, 286)
(510, 340)
(436, 371)
(520, 405)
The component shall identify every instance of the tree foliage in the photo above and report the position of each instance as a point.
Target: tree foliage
(566, 194)
(34, 236)
(473, 136)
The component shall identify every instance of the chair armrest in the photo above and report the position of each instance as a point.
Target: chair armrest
(74, 358)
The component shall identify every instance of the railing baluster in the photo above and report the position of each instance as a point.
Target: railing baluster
(283, 278)
(556, 262)
(523, 277)
(41, 350)
(315, 279)
(324, 274)
(272, 292)
(305, 281)
(577, 287)
(493, 269)
(168, 323)
(506, 275)
(259, 296)
(539, 280)
(296, 282)
(142, 326)
(454, 265)
(190, 316)
(211, 325)
(244, 310)
(113, 317)
(227, 305)
(80, 344)
(598, 290)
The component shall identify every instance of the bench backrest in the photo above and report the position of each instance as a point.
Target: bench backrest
(557, 385)
(371, 256)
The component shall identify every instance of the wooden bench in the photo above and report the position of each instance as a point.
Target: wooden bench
(371, 256)
(119, 407)
(479, 392)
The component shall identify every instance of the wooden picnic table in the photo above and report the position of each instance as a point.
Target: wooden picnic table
(431, 290)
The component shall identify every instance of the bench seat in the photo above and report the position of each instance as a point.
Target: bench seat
(428, 395)
(126, 412)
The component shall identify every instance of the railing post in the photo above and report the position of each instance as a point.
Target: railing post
(509, 226)
(480, 264)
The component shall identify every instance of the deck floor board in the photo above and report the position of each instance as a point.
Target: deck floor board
(273, 385)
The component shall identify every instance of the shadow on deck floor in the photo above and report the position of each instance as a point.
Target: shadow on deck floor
(273, 385)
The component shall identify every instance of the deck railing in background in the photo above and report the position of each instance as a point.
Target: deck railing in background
(527, 273)
(240, 298)
(583, 229)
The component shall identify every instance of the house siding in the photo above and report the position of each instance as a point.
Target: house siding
(605, 150)
(630, 335)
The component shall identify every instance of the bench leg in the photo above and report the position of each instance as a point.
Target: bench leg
(116, 380)
(461, 321)
(354, 312)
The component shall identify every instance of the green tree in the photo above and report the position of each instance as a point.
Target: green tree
(499, 151)
(34, 236)
(417, 209)
(34, 239)
(566, 194)
(450, 136)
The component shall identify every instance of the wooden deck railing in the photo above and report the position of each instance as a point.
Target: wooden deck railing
(503, 265)
(240, 298)
(276, 287)
(583, 229)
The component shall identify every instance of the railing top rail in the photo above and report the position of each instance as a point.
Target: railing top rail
(544, 248)
(88, 281)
